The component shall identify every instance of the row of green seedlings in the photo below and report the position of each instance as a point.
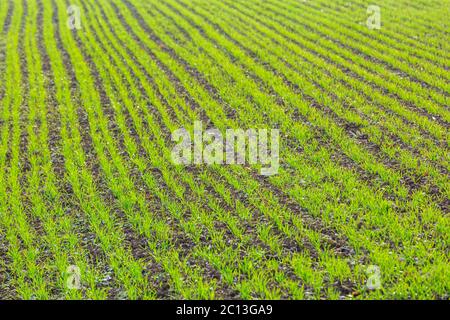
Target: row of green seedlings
(60, 223)
(23, 249)
(4, 7)
(109, 237)
(42, 201)
(21, 236)
(75, 254)
(14, 222)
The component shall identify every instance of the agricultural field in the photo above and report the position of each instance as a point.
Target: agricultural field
(93, 206)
